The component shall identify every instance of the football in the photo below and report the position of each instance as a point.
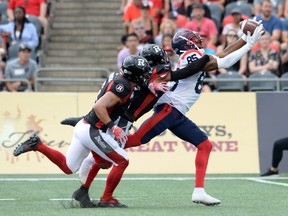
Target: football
(248, 25)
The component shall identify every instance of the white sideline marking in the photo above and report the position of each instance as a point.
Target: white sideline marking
(60, 199)
(265, 181)
(142, 178)
(7, 199)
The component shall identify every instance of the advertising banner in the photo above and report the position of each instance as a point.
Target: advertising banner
(229, 119)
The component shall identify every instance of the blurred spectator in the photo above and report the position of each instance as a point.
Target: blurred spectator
(286, 9)
(132, 42)
(22, 67)
(134, 12)
(209, 48)
(264, 59)
(21, 30)
(230, 18)
(277, 7)
(139, 30)
(159, 8)
(36, 8)
(284, 60)
(150, 25)
(241, 65)
(236, 16)
(203, 24)
(124, 5)
(187, 7)
(166, 27)
(284, 37)
(271, 23)
(167, 46)
(284, 45)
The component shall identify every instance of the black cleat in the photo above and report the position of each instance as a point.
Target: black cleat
(28, 145)
(82, 196)
(112, 203)
(269, 172)
(71, 121)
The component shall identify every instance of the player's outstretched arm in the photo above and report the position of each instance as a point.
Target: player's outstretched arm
(233, 57)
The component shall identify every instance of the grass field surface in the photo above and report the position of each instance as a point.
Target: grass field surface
(157, 195)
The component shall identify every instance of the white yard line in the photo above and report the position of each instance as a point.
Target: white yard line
(265, 181)
(7, 199)
(145, 178)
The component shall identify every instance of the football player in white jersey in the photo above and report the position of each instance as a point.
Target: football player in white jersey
(170, 109)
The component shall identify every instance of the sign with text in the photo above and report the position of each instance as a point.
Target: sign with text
(229, 119)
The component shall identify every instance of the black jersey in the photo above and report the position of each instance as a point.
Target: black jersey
(119, 86)
(143, 99)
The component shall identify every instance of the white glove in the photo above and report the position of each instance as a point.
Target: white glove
(253, 39)
(157, 86)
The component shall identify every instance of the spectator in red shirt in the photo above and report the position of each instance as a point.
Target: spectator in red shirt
(134, 12)
(36, 8)
(199, 23)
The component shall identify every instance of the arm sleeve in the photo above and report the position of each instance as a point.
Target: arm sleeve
(233, 57)
(190, 69)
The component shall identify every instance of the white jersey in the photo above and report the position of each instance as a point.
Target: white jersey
(185, 92)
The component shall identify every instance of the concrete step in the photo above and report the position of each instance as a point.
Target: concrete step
(104, 53)
(80, 73)
(82, 32)
(81, 46)
(86, 25)
(75, 39)
(87, 61)
(85, 11)
(96, 17)
(87, 4)
(69, 86)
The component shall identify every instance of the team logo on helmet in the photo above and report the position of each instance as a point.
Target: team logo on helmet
(119, 88)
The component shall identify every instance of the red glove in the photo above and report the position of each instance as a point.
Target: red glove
(120, 135)
(157, 86)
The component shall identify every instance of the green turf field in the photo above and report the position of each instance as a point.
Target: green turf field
(48, 195)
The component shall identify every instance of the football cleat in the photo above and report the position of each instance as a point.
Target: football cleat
(82, 196)
(71, 121)
(28, 145)
(270, 172)
(204, 198)
(112, 203)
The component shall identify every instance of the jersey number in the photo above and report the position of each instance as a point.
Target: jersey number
(199, 84)
(191, 58)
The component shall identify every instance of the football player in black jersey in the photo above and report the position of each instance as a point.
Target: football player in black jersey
(96, 131)
(143, 100)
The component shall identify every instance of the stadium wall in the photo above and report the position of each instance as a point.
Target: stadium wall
(230, 120)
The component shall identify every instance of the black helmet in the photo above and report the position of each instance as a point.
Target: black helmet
(154, 54)
(135, 69)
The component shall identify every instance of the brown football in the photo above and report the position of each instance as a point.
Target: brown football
(248, 25)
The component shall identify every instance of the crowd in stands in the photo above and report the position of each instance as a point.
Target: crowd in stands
(217, 21)
(23, 24)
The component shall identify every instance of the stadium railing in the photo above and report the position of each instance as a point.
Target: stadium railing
(68, 75)
(29, 87)
(277, 80)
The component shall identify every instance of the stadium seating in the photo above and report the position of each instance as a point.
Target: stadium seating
(216, 13)
(268, 82)
(284, 82)
(237, 84)
(246, 8)
(13, 52)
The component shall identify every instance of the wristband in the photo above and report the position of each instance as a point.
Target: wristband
(110, 124)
